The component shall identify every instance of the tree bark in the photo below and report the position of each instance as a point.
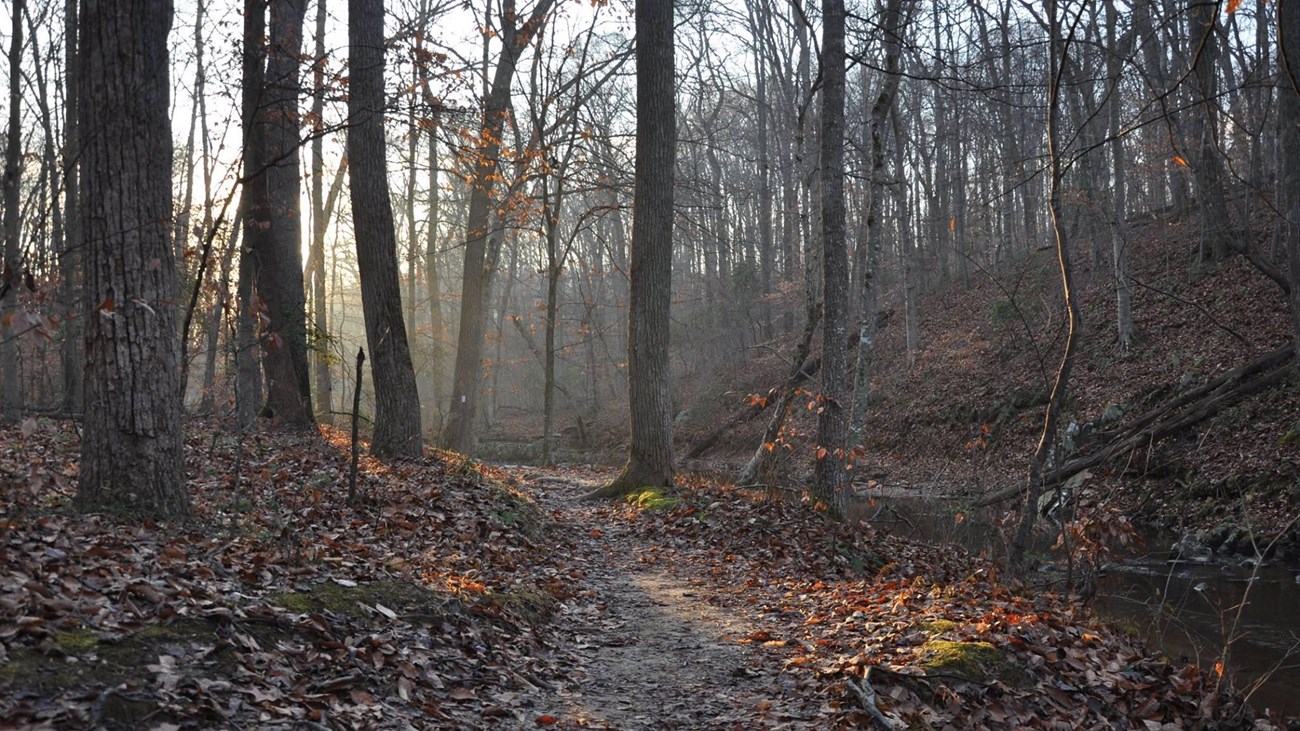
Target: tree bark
(70, 257)
(1119, 181)
(278, 243)
(248, 373)
(650, 454)
(397, 402)
(11, 398)
(324, 397)
(832, 456)
(1208, 173)
(1288, 24)
(131, 449)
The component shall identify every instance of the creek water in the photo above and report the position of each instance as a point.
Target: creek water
(1189, 611)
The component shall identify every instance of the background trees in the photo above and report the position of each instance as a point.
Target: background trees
(509, 150)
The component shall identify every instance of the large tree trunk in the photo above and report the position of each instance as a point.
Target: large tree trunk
(830, 473)
(1288, 21)
(650, 454)
(10, 275)
(397, 402)
(277, 244)
(131, 448)
(248, 374)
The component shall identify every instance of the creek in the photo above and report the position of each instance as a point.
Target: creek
(1190, 611)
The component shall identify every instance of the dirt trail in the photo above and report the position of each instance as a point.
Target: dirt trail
(647, 650)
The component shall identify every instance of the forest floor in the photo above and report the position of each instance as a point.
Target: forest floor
(461, 596)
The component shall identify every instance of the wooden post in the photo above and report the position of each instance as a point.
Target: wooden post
(356, 408)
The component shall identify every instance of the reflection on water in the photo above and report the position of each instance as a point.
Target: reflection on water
(1187, 610)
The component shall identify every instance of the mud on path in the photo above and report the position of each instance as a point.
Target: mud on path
(640, 645)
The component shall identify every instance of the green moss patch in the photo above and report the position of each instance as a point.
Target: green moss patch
(652, 498)
(936, 627)
(975, 661)
(85, 659)
(403, 597)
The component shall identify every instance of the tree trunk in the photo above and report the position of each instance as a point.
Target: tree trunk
(1119, 196)
(11, 398)
(1288, 21)
(1216, 226)
(1045, 453)
(131, 448)
(650, 455)
(324, 397)
(476, 281)
(830, 471)
(870, 241)
(397, 402)
(278, 243)
(248, 374)
(70, 258)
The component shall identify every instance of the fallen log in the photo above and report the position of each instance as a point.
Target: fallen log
(1182, 412)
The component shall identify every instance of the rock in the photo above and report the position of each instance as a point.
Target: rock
(1112, 413)
(1191, 548)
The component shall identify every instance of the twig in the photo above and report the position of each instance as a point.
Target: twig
(867, 696)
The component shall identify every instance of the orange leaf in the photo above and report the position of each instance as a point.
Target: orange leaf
(1233, 5)
(952, 224)
(821, 453)
(1180, 161)
(547, 719)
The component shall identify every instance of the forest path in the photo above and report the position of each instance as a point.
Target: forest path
(646, 650)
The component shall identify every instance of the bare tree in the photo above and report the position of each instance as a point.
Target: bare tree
(650, 453)
(459, 433)
(397, 403)
(10, 273)
(131, 458)
(1045, 453)
(832, 449)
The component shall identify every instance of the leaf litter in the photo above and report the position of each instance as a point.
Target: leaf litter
(463, 597)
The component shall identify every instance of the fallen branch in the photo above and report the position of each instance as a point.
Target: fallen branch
(1186, 410)
(867, 697)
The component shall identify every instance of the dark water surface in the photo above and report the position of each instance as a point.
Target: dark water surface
(1189, 611)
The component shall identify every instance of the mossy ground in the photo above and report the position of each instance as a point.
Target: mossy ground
(653, 498)
(84, 658)
(358, 601)
(975, 661)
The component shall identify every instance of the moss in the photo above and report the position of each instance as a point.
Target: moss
(976, 661)
(403, 597)
(653, 498)
(935, 627)
(92, 661)
(73, 641)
